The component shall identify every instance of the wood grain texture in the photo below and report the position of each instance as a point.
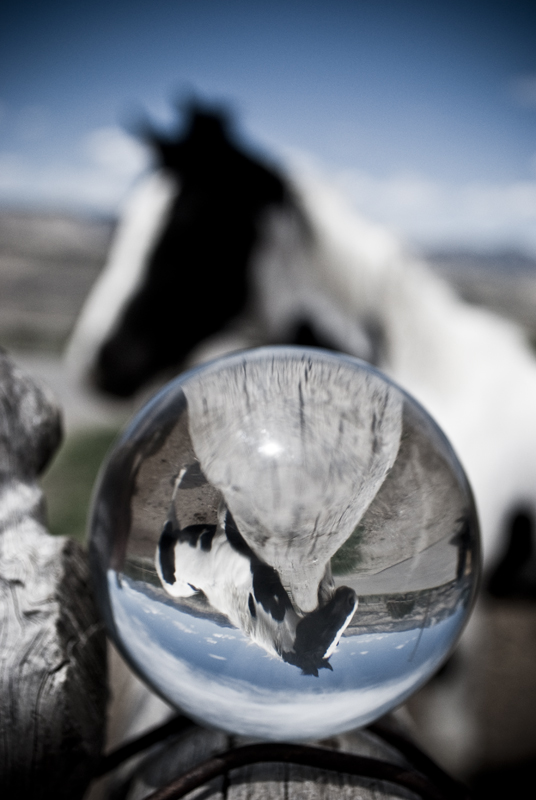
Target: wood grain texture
(263, 781)
(52, 643)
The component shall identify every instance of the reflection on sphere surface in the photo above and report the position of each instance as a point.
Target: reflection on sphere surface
(284, 544)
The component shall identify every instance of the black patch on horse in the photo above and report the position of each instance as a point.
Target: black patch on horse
(515, 574)
(316, 632)
(196, 279)
(306, 336)
(166, 552)
(269, 591)
(267, 587)
(197, 534)
(192, 535)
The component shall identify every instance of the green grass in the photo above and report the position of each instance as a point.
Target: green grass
(69, 481)
(348, 557)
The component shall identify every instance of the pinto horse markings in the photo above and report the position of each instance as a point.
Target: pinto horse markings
(193, 274)
(316, 273)
(200, 259)
(279, 482)
(217, 561)
(219, 252)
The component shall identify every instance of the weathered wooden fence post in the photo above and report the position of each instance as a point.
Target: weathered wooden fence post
(52, 644)
(53, 680)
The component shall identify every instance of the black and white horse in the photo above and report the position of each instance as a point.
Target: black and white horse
(179, 269)
(218, 251)
(216, 560)
(256, 518)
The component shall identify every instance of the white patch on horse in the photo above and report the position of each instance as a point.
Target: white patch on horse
(317, 261)
(142, 221)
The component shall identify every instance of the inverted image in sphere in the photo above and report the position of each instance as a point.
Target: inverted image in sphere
(284, 544)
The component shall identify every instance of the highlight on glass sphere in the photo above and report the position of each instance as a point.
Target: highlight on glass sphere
(284, 544)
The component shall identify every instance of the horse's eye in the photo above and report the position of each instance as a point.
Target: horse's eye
(251, 605)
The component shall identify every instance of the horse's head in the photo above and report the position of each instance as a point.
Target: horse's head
(179, 270)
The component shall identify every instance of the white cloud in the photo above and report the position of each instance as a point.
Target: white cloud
(110, 160)
(114, 151)
(435, 214)
(485, 215)
(428, 213)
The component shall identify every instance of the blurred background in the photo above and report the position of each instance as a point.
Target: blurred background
(424, 113)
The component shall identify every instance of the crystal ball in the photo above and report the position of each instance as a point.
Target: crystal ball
(284, 544)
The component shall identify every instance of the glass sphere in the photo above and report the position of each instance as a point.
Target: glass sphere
(284, 544)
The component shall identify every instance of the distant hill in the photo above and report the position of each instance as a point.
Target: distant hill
(504, 282)
(48, 263)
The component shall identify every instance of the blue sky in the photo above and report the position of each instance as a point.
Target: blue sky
(425, 111)
(231, 682)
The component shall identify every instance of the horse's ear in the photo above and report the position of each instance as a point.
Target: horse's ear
(214, 119)
(165, 150)
(203, 132)
(203, 128)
